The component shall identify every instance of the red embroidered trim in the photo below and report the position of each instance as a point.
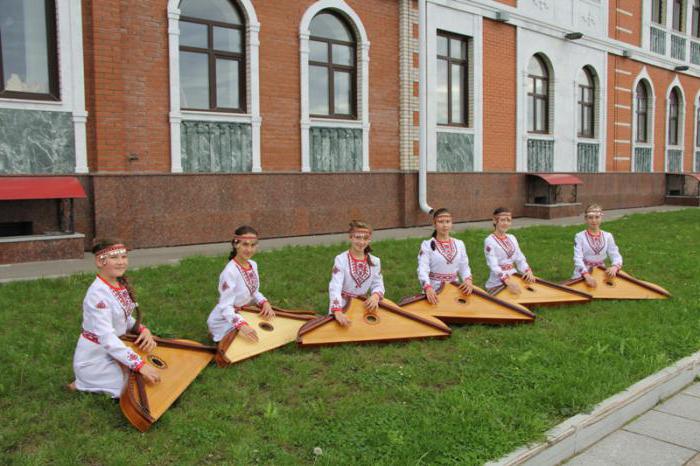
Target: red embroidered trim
(240, 324)
(139, 366)
(506, 244)
(90, 336)
(359, 270)
(250, 278)
(596, 242)
(224, 287)
(447, 249)
(101, 305)
(109, 284)
(442, 277)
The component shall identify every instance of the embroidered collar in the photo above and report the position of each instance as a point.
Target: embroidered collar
(596, 242)
(506, 244)
(359, 270)
(118, 287)
(447, 249)
(250, 278)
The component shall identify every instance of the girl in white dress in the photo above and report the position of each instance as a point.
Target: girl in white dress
(442, 258)
(503, 254)
(239, 285)
(101, 358)
(355, 273)
(592, 246)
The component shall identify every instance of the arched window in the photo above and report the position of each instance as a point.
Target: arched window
(586, 103)
(332, 67)
(674, 109)
(641, 96)
(538, 96)
(28, 51)
(212, 56)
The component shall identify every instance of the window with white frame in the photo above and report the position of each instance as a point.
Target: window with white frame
(642, 113)
(674, 112)
(538, 96)
(678, 18)
(695, 19)
(657, 12)
(332, 67)
(28, 50)
(586, 103)
(212, 56)
(452, 79)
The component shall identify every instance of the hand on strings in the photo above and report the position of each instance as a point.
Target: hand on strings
(342, 319)
(529, 276)
(145, 341)
(431, 295)
(466, 287)
(248, 332)
(266, 311)
(372, 302)
(150, 374)
(513, 286)
(590, 281)
(611, 272)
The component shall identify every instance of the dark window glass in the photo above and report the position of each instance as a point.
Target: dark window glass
(696, 19)
(641, 112)
(212, 56)
(332, 70)
(697, 126)
(538, 96)
(586, 104)
(673, 113)
(452, 77)
(657, 11)
(678, 19)
(28, 54)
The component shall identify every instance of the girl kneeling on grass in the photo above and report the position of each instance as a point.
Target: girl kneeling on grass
(101, 357)
(503, 254)
(442, 258)
(355, 273)
(239, 286)
(592, 246)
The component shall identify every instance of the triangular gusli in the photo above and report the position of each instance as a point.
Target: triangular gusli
(479, 307)
(623, 286)
(279, 331)
(178, 362)
(387, 323)
(540, 293)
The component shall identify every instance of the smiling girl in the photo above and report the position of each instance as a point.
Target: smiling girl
(592, 246)
(503, 254)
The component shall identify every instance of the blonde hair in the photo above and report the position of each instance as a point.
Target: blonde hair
(592, 207)
(359, 224)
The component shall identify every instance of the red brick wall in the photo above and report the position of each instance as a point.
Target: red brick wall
(621, 25)
(499, 111)
(661, 79)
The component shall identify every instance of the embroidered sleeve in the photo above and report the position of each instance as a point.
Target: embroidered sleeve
(377, 285)
(579, 265)
(614, 252)
(519, 257)
(99, 322)
(464, 270)
(227, 295)
(492, 260)
(424, 264)
(257, 295)
(335, 287)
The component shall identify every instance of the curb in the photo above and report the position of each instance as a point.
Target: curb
(579, 432)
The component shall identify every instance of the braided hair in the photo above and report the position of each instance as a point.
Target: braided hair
(366, 226)
(436, 213)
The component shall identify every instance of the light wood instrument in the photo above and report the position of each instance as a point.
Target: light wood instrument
(479, 307)
(387, 323)
(279, 331)
(540, 293)
(178, 362)
(623, 286)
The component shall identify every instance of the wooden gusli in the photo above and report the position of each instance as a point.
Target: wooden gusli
(272, 334)
(540, 293)
(387, 323)
(623, 286)
(179, 362)
(479, 307)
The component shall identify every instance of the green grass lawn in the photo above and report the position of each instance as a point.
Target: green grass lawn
(468, 399)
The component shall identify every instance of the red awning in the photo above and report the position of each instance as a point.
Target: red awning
(39, 187)
(695, 175)
(558, 178)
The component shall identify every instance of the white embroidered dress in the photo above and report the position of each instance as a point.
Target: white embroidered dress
(591, 251)
(443, 264)
(238, 287)
(100, 353)
(503, 255)
(352, 277)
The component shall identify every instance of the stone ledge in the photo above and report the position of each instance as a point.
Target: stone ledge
(583, 430)
(32, 248)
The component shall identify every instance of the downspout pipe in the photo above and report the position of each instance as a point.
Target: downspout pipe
(423, 107)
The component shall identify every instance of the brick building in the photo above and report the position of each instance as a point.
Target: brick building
(183, 119)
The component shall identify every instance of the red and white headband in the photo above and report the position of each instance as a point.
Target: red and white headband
(111, 251)
(247, 236)
(361, 231)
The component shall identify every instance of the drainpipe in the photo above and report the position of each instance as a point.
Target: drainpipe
(423, 107)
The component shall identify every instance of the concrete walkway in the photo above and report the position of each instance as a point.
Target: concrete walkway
(667, 435)
(172, 255)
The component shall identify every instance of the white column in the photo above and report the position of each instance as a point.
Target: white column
(78, 85)
(256, 120)
(364, 56)
(175, 115)
(305, 123)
